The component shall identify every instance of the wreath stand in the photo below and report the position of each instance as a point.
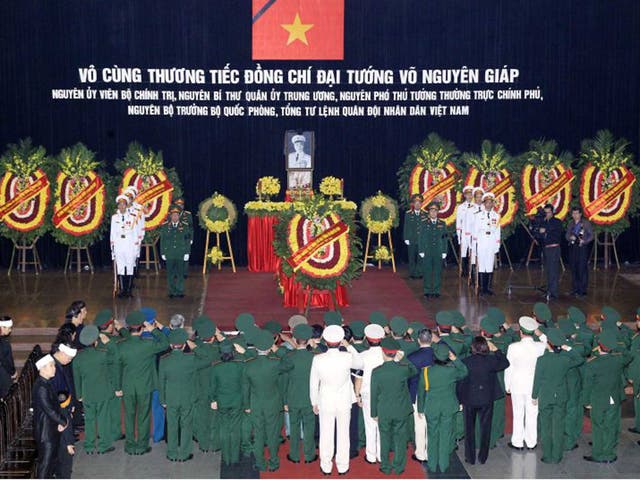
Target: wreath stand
(22, 248)
(310, 291)
(608, 244)
(217, 244)
(150, 257)
(77, 252)
(454, 250)
(368, 256)
(506, 252)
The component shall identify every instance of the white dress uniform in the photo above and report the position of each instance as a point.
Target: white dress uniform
(518, 379)
(487, 238)
(138, 212)
(367, 361)
(464, 221)
(331, 390)
(472, 217)
(124, 237)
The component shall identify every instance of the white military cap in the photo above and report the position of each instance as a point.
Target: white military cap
(296, 320)
(374, 331)
(468, 188)
(333, 334)
(528, 324)
(131, 189)
(123, 198)
(6, 321)
(68, 350)
(487, 196)
(298, 138)
(478, 189)
(44, 361)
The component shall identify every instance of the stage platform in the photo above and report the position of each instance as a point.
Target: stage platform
(37, 303)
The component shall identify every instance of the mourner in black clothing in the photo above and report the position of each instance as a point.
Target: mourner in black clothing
(7, 369)
(551, 232)
(477, 391)
(48, 419)
(579, 235)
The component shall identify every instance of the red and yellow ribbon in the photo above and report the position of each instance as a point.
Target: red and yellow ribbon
(558, 192)
(24, 210)
(605, 207)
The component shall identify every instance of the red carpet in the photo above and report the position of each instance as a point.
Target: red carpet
(229, 294)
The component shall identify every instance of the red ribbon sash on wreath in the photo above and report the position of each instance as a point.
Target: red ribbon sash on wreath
(610, 195)
(549, 191)
(24, 196)
(437, 189)
(83, 197)
(502, 186)
(330, 235)
(154, 192)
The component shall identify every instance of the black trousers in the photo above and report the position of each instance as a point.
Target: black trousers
(353, 430)
(47, 458)
(552, 269)
(484, 414)
(579, 259)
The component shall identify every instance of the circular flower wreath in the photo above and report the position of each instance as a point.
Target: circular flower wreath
(216, 255)
(217, 214)
(331, 186)
(379, 213)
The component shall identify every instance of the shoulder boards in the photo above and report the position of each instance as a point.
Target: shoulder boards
(166, 355)
(273, 357)
(217, 362)
(250, 359)
(591, 359)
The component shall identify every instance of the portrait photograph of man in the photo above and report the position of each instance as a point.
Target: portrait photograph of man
(299, 179)
(299, 150)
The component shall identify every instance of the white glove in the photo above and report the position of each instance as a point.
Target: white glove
(444, 255)
(186, 257)
(191, 242)
(407, 242)
(421, 255)
(164, 257)
(113, 256)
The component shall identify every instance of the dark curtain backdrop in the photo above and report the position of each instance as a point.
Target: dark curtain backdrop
(584, 54)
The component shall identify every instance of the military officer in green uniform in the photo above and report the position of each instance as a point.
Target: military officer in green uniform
(437, 400)
(297, 400)
(542, 315)
(263, 400)
(633, 374)
(175, 245)
(603, 392)
(225, 383)
(137, 364)
(550, 393)
(177, 375)
(105, 323)
(391, 405)
(399, 327)
(94, 382)
(187, 218)
(413, 221)
(432, 248)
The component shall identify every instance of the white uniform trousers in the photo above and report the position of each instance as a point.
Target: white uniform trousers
(420, 430)
(465, 244)
(371, 432)
(486, 258)
(525, 421)
(334, 425)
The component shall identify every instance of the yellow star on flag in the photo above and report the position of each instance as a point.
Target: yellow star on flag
(297, 30)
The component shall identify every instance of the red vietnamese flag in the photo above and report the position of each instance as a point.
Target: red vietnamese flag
(298, 29)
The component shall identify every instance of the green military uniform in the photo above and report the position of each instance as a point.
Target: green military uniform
(633, 375)
(263, 397)
(187, 218)
(399, 326)
(391, 405)
(137, 364)
(433, 244)
(104, 320)
(177, 385)
(490, 328)
(205, 420)
(175, 243)
(95, 386)
(301, 416)
(603, 391)
(438, 401)
(412, 232)
(551, 392)
(573, 418)
(225, 382)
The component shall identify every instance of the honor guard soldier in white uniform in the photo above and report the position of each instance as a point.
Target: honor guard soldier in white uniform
(478, 192)
(331, 395)
(487, 233)
(367, 361)
(125, 243)
(464, 214)
(137, 211)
